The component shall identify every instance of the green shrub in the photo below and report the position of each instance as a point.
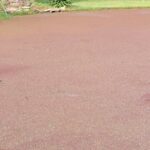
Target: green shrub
(60, 3)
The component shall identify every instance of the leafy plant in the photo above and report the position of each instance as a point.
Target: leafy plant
(60, 3)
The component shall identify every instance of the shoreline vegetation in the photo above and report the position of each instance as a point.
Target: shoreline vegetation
(85, 5)
(109, 4)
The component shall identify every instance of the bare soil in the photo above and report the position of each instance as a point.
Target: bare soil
(75, 81)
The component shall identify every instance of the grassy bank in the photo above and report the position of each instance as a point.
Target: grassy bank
(100, 4)
(3, 16)
(91, 5)
(104, 4)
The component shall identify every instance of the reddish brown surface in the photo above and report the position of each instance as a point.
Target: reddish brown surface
(76, 81)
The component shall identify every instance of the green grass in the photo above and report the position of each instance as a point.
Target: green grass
(4, 16)
(104, 4)
(41, 4)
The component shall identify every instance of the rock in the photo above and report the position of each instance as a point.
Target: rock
(17, 6)
(14, 4)
(11, 9)
(49, 10)
(25, 8)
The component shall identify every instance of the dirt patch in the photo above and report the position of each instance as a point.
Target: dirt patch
(90, 70)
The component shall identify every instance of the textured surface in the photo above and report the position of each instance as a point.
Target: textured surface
(76, 81)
